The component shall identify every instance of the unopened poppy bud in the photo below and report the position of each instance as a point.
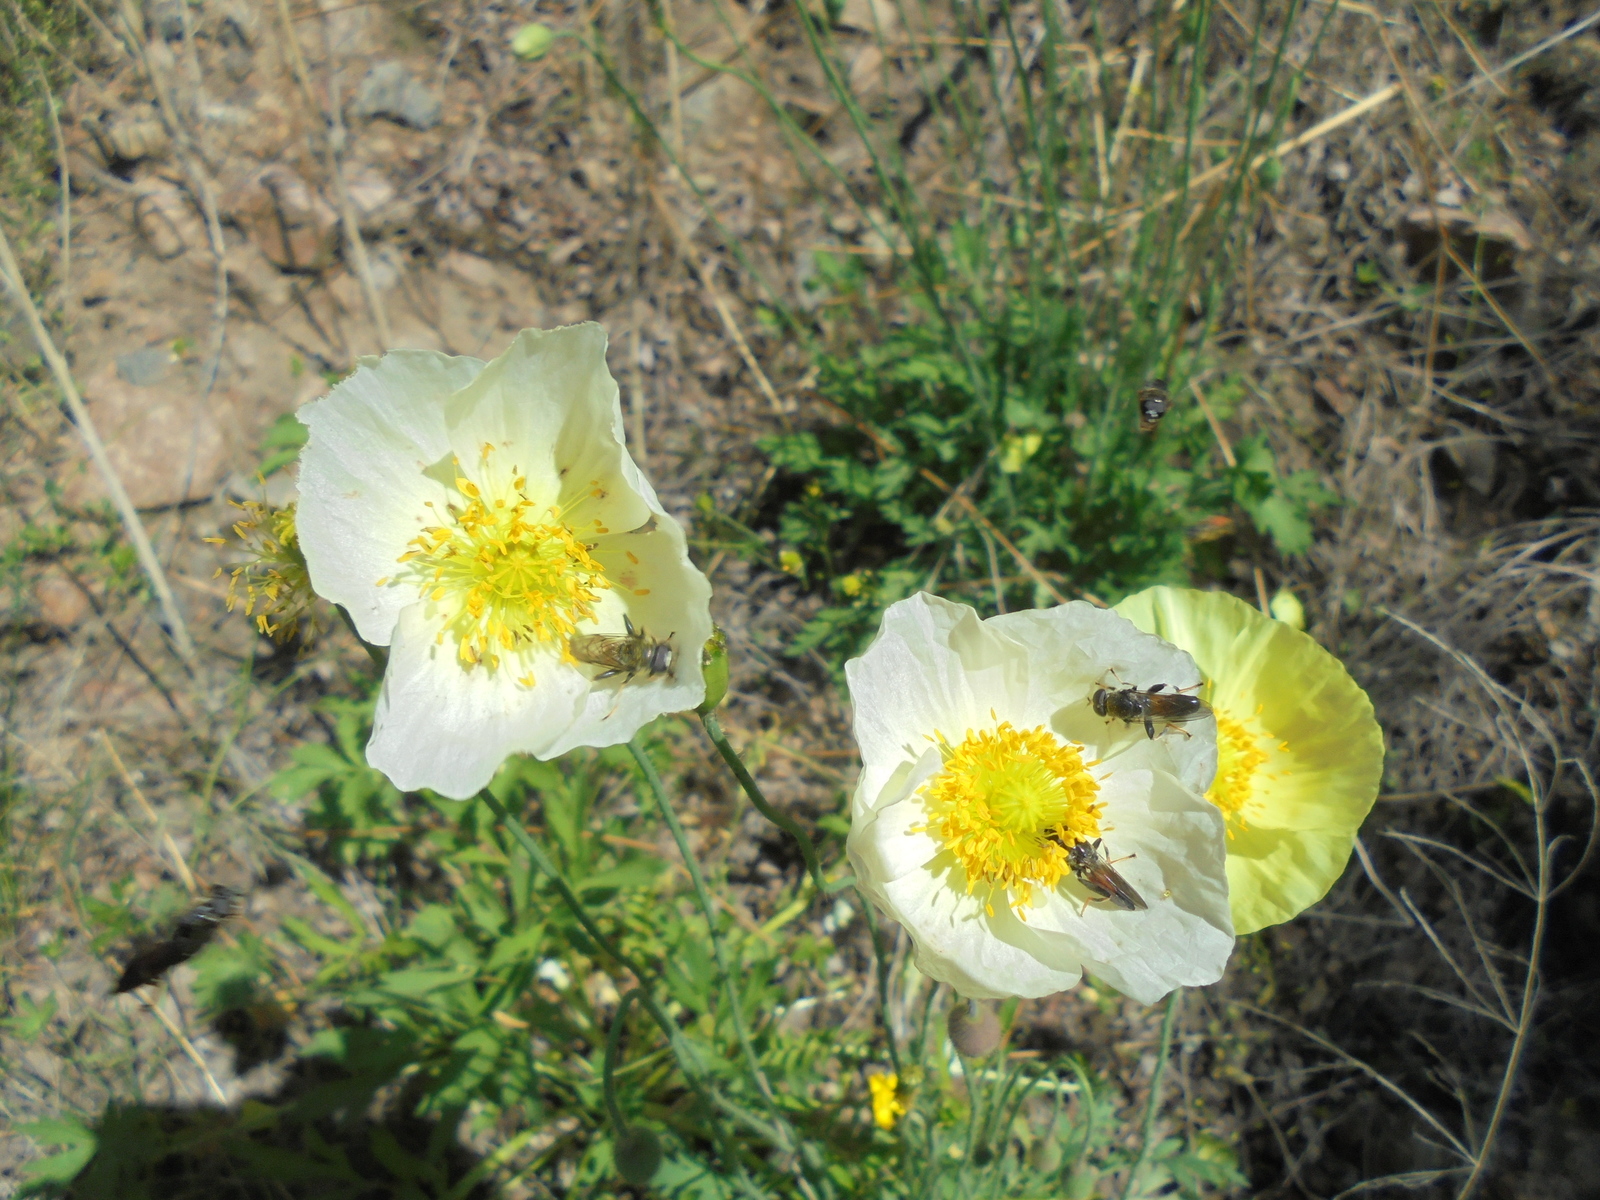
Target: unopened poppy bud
(714, 665)
(1286, 607)
(532, 41)
(637, 1153)
(974, 1028)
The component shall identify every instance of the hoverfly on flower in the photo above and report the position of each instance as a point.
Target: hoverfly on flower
(1134, 705)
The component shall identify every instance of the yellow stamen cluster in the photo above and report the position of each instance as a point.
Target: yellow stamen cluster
(508, 573)
(1007, 805)
(272, 584)
(1240, 754)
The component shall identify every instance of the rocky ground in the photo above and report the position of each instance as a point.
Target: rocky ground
(220, 168)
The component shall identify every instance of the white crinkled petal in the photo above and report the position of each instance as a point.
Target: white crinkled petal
(887, 842)
(363, 494)
(549, 409)
(908, 686)
(675, 607)
(1076, 648)
(448, 728)
(1185, 935)
(935, 668)
(959, 943)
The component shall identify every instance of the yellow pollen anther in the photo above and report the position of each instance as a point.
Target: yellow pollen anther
(1007, 805)
(1239, 756)
(505, 577)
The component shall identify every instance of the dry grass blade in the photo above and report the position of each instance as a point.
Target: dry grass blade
(1371, 870)
(1479, 1004)
(1414, 840)
(189, 1050)
(1594, 830)
(1372, 1073)
(132, 525)
(331, 124)
(1512, 711)
(1441, 997)
(1549, 43)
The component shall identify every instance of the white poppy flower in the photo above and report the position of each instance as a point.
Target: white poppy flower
(983, 762)
(475, 517)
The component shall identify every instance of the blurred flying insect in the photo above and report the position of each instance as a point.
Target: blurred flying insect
(1153, 404)
(636, 653)
(1095, 871)
(194, 929)
(1149, 705)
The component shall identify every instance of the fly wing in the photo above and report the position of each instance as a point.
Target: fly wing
(1177, 707)
(1117, 889)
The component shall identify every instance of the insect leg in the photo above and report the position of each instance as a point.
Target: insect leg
(1150, 727)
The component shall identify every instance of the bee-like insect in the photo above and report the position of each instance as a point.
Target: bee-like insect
(194, 929)
(636, 653)
(1094, 870)
(1153, 404)
(1150, 705)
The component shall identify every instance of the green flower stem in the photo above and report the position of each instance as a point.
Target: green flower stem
(693, 1069)
(378, 654)
(613, 1045)
(658, 792)
(753, 790)
(881, 958)
(1153, 1107)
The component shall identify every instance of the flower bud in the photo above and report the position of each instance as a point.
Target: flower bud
(637, 1153)
(714, 665)
(1286, 607)
(532, 41)
(974, 1028)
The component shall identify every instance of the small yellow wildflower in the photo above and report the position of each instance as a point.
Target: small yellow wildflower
(887, 1106)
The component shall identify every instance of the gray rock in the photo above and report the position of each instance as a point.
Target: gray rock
(144, 367)
(389, 90)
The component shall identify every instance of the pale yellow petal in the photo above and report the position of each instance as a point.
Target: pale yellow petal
(1291, 835)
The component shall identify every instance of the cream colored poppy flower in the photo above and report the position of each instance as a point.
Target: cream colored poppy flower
(476, 517)
(1300, 752)
(983, 762)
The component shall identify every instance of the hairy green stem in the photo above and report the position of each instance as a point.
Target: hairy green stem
(881, 958)
(613, 1046)
(1153, 1108)
(658, 792)
(804, 1155)
(378, 654)
(753, 790)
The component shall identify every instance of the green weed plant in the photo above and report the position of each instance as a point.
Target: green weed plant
(478, 1007)
(990, 339)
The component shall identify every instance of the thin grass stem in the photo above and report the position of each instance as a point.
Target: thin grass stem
(1152, 1108)
(658, 793)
